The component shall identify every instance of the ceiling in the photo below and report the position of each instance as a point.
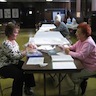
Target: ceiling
(39, 0)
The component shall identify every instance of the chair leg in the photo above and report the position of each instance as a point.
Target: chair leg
(83, 86)
(77, 88)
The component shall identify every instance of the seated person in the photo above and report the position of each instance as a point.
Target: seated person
(58, 16)
(69, 20)
(11, 63)
(74, 21)
(84, 50)
(60, 26)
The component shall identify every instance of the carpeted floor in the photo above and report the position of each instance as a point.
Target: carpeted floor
(51, 89)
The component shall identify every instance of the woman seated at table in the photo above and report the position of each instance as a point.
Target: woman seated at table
(11, 64)
(84, 50)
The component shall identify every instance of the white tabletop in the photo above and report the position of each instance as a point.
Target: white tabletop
(50, 38)
(43, 37)
(46, 27)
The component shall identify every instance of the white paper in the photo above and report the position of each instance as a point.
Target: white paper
(63, 65)
(50, 38)
(49, 41)
(65, 58)
(45, 47)
(43, 65)
(35, 61)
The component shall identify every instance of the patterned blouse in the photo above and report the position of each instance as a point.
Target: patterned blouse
(9, 53)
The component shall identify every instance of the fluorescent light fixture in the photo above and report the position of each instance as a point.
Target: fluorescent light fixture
(3, 0)
(49, 0)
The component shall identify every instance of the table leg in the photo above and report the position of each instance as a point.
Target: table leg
(61, 78)
(44, 85)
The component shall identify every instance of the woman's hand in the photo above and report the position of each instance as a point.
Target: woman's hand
(67, 50)
(63, 47)
(24, 53)
(32, 46)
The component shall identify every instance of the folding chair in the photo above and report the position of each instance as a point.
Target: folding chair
(1, 89)
(83, 83)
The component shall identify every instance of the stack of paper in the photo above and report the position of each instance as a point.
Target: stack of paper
(66, 58)
(62, 61)
(35, 61)
(64, 65)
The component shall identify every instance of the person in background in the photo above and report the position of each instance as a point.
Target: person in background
(11, 63)
(84, 50)
(68, 17)
(60, 26)
(74, 22)
(58, 16)
(69, 20)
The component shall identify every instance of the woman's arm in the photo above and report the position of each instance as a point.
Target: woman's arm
(11, 52)
(83, 52)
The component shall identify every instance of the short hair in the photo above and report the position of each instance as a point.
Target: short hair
(86, 29)
(10, 28)
(57, 20)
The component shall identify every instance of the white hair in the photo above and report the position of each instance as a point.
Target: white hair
(57, 20)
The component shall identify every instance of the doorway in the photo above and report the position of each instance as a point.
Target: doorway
(27, 17)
